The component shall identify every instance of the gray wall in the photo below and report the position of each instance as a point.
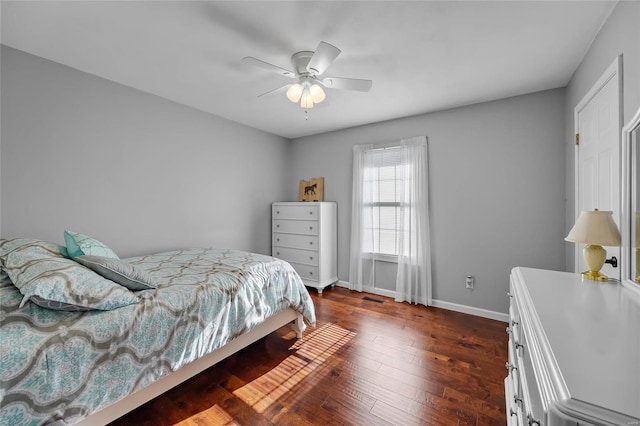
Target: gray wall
(496, 174)
(619, 35)
(167, 175)
(136, 171)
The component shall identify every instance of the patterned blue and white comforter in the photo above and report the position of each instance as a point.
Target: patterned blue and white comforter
(59, 367)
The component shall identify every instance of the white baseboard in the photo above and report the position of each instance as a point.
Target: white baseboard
(379, 292)
(341, 283)
(484, 313)
(479, 312)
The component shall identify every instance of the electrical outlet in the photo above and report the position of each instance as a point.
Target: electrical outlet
(469, 282)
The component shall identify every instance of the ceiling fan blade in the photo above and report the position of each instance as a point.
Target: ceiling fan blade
(347, 83)
(269, 67)
(278, 90)
(324, 56)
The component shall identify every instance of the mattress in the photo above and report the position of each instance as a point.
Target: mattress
(58, 367)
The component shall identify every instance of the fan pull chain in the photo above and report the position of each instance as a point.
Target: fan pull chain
(306, 115)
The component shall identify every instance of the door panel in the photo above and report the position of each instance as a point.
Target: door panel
(598, 157)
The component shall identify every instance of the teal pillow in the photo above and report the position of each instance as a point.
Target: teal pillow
(79, 244)
(55, 282)
(119, 271)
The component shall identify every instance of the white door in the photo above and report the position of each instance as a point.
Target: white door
(598, 156)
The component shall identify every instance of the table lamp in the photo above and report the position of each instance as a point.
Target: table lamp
(595, 229)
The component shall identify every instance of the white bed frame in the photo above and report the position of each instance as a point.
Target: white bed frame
(167, 382)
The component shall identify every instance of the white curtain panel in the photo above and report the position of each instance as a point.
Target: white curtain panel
(413, 282)
(360, 269)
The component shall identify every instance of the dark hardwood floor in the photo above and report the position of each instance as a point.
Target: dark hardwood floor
(366, 363)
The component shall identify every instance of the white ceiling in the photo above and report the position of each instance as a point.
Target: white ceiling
(422, 56)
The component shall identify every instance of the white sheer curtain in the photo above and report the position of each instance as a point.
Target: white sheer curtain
(413, 280)
(361, 269)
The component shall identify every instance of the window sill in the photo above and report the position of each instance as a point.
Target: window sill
(391, 258)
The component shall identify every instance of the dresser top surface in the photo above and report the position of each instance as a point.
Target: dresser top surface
(301, 203)
(593, 330)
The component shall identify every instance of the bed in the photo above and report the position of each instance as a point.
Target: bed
(90, 366)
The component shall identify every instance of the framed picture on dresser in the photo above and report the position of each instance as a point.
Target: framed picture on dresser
(311, 190)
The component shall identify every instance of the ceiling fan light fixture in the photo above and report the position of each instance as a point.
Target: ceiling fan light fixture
(317, 94)
(306, 101)
(308, 67)
(294, 93)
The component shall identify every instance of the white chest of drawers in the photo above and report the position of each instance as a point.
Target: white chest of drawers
(305, 235)
(574, 351)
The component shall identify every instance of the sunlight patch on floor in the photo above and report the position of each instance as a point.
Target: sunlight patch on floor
(309, 354)
(215, 415)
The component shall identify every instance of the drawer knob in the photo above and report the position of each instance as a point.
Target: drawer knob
(278, 253)
(310, 257)
(310, 242)
(278, 212)
(311, 212)
(277, 239)
(277, 226)
(311, 227)
(310, 273)
(532, 420)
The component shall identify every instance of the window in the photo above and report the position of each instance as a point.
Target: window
(384, 173)
(390, 217)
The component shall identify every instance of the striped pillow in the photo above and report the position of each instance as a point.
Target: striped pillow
(52, 281)
(119, 271)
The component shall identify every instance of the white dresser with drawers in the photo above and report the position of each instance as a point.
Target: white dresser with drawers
(574, 351)
(305, 235)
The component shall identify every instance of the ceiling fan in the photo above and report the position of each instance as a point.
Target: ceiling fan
(308, 70)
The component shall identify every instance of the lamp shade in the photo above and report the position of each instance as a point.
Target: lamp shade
(317, 94)
(295, 92)
(595, 227)
(306, 101)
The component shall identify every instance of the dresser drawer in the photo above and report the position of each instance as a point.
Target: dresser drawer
(307, 227)
(295, 212)
(309, 242)
(307, 257)
(512, 366)
(306, 272)
(528, 384)
(514, 412)
(514, 323)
